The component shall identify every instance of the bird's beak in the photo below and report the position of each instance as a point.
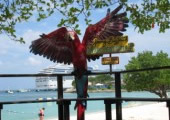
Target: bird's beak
(72, 36)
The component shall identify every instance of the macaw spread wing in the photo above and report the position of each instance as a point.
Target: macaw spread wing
(55, 46)
(112, 25)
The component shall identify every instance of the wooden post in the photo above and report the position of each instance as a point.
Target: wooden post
(66, 110)
(110, 55)
(1, 107)
(168, 105)
(118, 95)
(60, 96)
(108, 109)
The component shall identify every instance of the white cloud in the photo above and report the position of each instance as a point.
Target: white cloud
(114, 67)
(4, 47)
(95, 67)
(33, 61)
(3, 52)
(151, 40)
(31, 35)
(15, 48)
(1, 63)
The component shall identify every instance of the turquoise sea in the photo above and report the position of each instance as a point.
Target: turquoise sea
(30, 111)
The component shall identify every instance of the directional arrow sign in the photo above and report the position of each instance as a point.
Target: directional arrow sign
(110, 60)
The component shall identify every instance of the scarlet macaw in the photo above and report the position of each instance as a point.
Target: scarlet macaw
(64, 46)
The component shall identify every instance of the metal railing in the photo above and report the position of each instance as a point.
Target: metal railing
(63, 103)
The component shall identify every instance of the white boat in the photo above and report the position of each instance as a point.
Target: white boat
(48, 98)
(10, 92)
(48, 83)
(23, 90)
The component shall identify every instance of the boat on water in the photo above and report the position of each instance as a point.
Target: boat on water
(48, 98)
(22, 90)
(50, 83)
(10, 92)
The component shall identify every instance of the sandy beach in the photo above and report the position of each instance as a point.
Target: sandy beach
(152, 111)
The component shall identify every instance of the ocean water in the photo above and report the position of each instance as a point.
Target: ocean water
(30, 111)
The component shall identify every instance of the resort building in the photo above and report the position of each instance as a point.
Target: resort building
(100, 86)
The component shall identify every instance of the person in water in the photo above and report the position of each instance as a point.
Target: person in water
(41, 114)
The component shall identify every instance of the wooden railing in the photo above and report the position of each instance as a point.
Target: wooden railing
(63, 103)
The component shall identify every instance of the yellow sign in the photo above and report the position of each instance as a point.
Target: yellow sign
(110, 49)
(110, 60)
(110, 42)
(113, 44)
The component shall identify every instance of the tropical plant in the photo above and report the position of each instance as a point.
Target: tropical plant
(157, 82)
(143, 14)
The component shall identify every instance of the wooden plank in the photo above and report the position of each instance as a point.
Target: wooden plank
(110, 49)
(110, 60)
(109, 42)
(113, 38)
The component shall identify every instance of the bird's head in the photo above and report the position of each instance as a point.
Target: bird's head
(71, 35)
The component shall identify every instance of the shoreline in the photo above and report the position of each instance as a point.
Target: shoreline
(150, 111)
(94, 91)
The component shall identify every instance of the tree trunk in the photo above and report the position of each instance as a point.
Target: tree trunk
(164, 94)
(160, 93)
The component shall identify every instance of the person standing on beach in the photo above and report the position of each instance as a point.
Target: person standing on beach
(41, 114)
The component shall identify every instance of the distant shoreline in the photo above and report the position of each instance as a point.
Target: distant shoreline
(107, 90)
(94, 91)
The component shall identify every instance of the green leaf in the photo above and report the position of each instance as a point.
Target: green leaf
(141, 15)
(78, 31)
(48, 4)
(152, 81)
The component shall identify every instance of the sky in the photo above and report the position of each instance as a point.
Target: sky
(15, 58)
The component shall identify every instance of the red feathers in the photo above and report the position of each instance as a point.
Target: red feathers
(64, 46)
(55, 46)
(60, 46)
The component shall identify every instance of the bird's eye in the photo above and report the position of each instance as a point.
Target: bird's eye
(70, 39)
